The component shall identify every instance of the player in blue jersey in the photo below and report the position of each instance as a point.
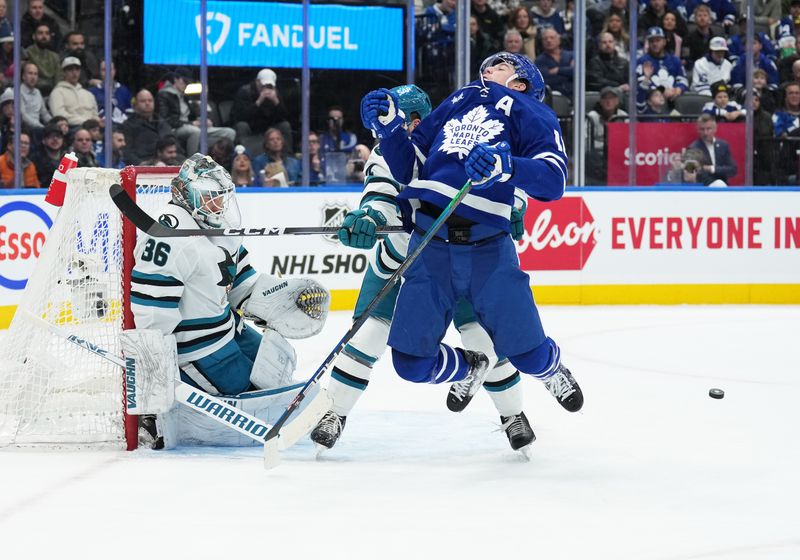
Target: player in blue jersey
(496, 132)
(351, 371)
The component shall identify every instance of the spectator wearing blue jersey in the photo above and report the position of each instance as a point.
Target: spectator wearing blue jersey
(556, 64)
(760, 61)
(786, 120)
(120, 97)
(658, 68)
(723, 12)
(545, 15)
(440, 22)
(788, 25)
(722, 107)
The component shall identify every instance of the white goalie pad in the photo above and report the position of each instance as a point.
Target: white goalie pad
(275, 362)
(294, 307)
(151, 368)
(183, 426)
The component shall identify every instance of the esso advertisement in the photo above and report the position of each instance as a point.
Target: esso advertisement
(559, 235)
(24, 224)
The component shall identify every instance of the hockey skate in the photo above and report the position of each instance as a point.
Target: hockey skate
(519, 432)
(328, 431)
(565, 389)
(148, 433)
(461, 392)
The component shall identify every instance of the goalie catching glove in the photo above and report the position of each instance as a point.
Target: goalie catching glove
(294, 307)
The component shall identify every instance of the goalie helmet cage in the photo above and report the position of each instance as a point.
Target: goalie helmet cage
(52, 392)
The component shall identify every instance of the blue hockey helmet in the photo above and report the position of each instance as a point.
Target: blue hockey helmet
(526, 71)
(412, 99)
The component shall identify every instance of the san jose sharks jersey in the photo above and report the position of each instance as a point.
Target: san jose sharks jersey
(187, 286)
(479, 113)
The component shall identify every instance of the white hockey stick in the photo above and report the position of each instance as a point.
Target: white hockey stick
(214, 407)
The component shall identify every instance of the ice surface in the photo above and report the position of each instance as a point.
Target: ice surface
(651, 469)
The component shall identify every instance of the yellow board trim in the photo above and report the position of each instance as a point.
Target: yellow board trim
(635, 294)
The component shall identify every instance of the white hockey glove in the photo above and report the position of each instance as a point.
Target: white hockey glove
(294, 307)
(151, 370)
(275, 362)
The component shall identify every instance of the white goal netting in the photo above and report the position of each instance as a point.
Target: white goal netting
(51, 391)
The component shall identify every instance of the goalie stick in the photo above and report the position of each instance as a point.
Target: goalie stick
(143, 221)
(211, 406)
(272, 444)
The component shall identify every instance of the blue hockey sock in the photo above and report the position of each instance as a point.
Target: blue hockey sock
(447, 366)
(541, 362)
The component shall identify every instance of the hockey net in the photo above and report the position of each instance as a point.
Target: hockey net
(51, 391)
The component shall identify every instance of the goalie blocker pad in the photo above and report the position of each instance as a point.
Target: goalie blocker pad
(151, 368)
(294, 307)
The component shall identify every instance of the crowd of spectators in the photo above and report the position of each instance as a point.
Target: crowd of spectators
(683, 48)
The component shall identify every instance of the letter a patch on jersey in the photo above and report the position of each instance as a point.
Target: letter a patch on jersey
(460, 135)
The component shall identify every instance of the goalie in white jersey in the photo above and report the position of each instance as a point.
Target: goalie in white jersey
(351, 371)
(197, 288)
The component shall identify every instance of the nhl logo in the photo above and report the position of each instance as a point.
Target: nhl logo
(333, 216)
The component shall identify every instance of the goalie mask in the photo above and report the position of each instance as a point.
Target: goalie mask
(206, 190)
(525, 71)
(412, 99)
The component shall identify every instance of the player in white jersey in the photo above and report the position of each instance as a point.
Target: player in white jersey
(197, 288)
(351, 371)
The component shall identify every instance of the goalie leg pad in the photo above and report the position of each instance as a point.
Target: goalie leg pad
(151, 368)
(295, 307)
(275, 362)
(183, 426)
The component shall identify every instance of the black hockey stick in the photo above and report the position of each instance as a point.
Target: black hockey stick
(147, 224)
(271, 441)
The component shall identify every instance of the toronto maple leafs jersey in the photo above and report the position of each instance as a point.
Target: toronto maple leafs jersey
(479, 113)
(667, 73)
(187, 286)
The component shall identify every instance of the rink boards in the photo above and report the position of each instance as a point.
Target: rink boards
(595, 246)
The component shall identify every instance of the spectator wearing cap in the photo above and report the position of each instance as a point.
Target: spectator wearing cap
(655, 12)
(29, 176)
(787, 49)
(69, 99)
(696, 41)
(712, 68)
(556, 64)
(35, 17)
(6, 55)
(75, 46)
(45, 58)
(607, 68)
(606, 109)
(32, 107)
(120, 96)
(722, 107)
(760, 60)
(182, 117)
(723, 12)
(6, 118)
(48, 156)
(658, 68)
(82, 146)
(143, 129)
(258, 106)
(242, 172)
(656, 108)
(717, 166)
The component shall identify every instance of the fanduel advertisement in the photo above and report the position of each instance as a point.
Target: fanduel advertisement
(261, 34)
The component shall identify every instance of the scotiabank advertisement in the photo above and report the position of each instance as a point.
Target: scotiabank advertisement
(592, 246)
(659, 147)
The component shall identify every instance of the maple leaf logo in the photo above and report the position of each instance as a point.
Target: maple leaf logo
(460, 135)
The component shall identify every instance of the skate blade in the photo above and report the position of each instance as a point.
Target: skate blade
(526, 451)
(320, 450)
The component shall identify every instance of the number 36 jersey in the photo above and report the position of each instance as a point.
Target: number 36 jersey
(187, 285)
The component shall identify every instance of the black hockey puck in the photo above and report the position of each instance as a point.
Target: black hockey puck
(716, 393)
